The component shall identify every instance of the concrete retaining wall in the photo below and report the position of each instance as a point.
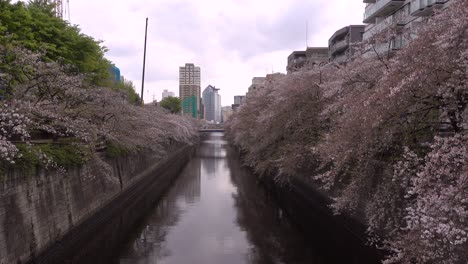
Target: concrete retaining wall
(36, 212)
(337, 236)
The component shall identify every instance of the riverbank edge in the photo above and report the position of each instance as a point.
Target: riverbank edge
(309, 210)
(161, 174)
(47, 218)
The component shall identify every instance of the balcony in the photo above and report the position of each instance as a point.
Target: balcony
(381, 8)
(339, 46)
(339, 34)
(397, 21)
(425, 7)
(373, 29)
(340, 58)
(438, 3)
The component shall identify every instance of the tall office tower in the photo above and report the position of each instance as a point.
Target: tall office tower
(189, 89)
(212, 104)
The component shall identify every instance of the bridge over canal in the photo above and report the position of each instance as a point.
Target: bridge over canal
(212, 128)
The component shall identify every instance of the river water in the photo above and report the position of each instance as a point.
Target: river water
(216, 212)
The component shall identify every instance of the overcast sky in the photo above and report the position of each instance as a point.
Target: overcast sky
(231, 40)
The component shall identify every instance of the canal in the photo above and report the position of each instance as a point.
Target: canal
(217, 211)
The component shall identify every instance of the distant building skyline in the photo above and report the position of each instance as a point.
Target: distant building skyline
(172, 46)
(167, 93)
(239, 99)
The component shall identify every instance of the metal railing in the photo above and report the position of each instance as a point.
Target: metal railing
(423, 7)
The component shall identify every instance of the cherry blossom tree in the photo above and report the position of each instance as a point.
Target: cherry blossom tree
(47, 101)
(383, 135)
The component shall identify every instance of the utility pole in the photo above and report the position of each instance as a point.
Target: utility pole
(68, 9)
(144, 62)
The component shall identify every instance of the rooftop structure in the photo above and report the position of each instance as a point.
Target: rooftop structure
(311, 56)
(296, 60)
(316, 55)
(257, 82)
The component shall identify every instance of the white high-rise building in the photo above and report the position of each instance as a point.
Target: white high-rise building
(189, 89)
(166, 93)
(212, 104)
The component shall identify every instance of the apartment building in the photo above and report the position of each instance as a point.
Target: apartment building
(341, 44)
(296, 60)
(310, 56)
(316, 55)
(257, 82)
(405, 15)
(189, 89)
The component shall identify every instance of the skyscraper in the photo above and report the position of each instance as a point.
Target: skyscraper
(212, 104)
(189, 89)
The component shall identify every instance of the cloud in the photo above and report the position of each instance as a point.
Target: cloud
(288, 30)
(231, 40)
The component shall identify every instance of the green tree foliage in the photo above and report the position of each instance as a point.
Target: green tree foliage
(128, 88)
(35, 27)
(172, 104)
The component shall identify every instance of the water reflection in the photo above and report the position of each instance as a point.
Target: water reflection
(150, 239)
(195, 221)
(217, 213)
(272, 238)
